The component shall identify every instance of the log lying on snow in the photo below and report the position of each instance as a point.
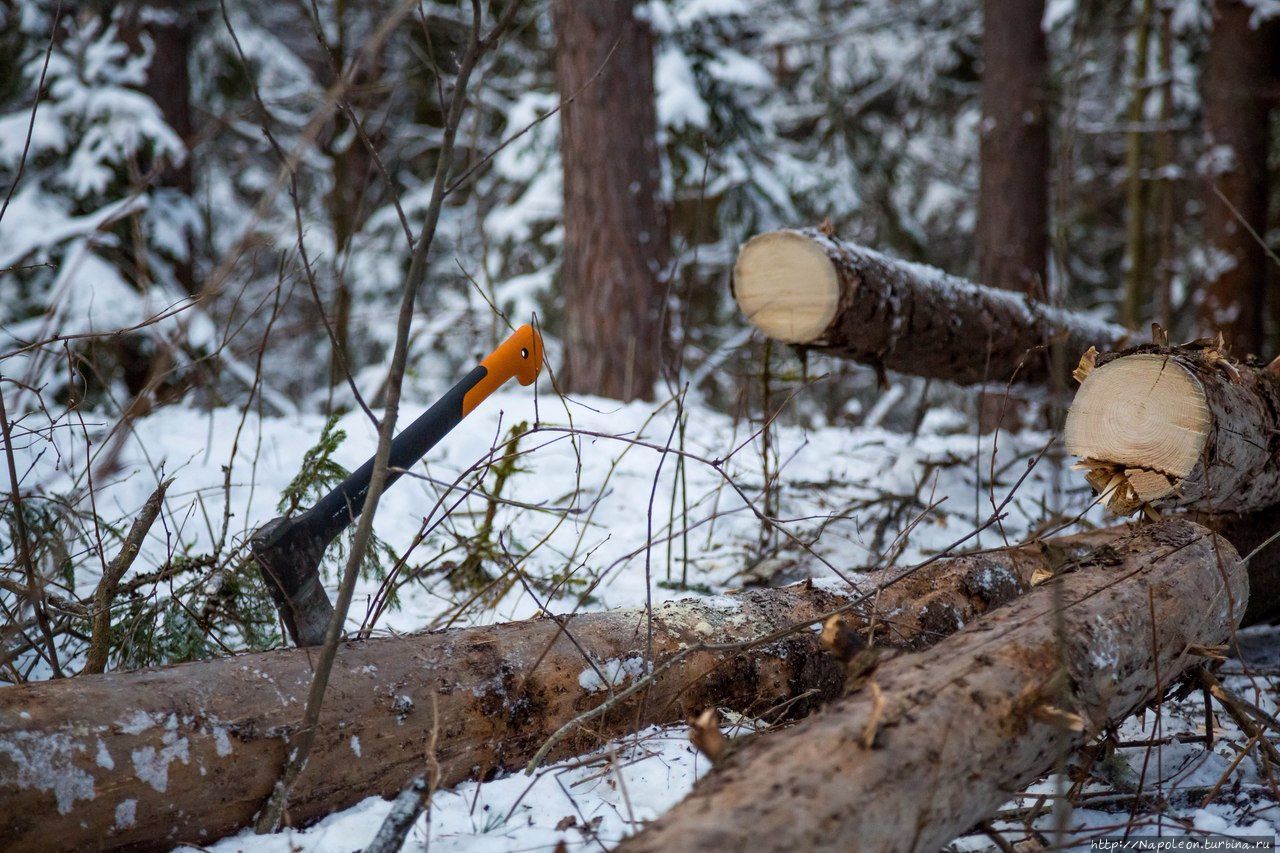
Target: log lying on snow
(1178, 427)
(102, 760)
(805, 288)
(959, 727)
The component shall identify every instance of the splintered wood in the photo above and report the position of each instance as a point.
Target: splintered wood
(1139, 424)
(1177, 427)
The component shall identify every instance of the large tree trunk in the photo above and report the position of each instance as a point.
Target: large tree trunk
(1133, 309)
(1013, 193)
(1178, 427)
(616, 250)
(99, 760)
(1247, 532)
(170, 25)
(1237, 73)
(812, 290)
(937, 741)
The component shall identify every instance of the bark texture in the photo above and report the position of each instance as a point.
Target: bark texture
(616, 248)
(1013, 193)
(1237, 469)
(956, 728)
(1238, 72)
(1246, 532)
(916, 319)
(99, 761)
(170, 26)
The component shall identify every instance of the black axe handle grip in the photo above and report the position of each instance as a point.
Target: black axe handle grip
(288, 550)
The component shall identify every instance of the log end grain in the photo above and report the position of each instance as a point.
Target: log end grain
(1139, 426)
(786, 286)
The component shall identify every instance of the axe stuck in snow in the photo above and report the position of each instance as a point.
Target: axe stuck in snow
(288, 550)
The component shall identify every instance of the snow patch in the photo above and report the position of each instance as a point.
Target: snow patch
(151, 765)
(46, 762)
(615, 672)
(104, 757)
(126, 813)
(137, 722)
(221, 743)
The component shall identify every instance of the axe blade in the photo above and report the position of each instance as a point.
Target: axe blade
(288, 550)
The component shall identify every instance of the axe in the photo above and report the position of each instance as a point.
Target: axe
(288, 550)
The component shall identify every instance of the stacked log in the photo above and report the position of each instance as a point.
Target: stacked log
(934, 742)
(99, 761)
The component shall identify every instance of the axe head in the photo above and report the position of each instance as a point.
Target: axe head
(288, 553)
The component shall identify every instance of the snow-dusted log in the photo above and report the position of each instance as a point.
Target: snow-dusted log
(815, 291)
(102, 760)
(1178, 427)
(952, 731)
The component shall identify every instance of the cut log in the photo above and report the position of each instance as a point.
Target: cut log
(955, 729)
(1247, 533)
(808, 289)
(1178, 427)
(99, 761)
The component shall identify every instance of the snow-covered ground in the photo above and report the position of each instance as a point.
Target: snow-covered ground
(598, 494)
(600, 508)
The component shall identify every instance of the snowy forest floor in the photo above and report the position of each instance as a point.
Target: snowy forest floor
(610, 505)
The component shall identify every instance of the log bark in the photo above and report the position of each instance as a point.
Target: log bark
(812, 290)
(1247, 532)
(99, 761)
(1013, 151)
(1178, 427)
(957, 728)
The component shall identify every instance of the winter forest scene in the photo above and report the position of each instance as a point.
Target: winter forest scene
(652, 425)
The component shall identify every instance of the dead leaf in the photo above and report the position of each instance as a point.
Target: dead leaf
(705, 734)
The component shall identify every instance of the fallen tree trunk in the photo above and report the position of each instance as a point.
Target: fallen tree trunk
(100, 761)
(1181, 427)
(957, 728)
(812, 290)
(1248, 532)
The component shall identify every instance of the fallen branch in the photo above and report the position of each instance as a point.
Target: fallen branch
(1178, 427)
(105, 593)
(982, 714)
(99, 761)
(817, 292)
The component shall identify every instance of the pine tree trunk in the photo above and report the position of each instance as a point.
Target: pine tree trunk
(170, 25)
(1013, 194)
(1237, 69)
(212, 735)
(844, 300)
(935, 742)
(616, 250)
(1136, 192)
(1163, 195)
(1178, 427)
